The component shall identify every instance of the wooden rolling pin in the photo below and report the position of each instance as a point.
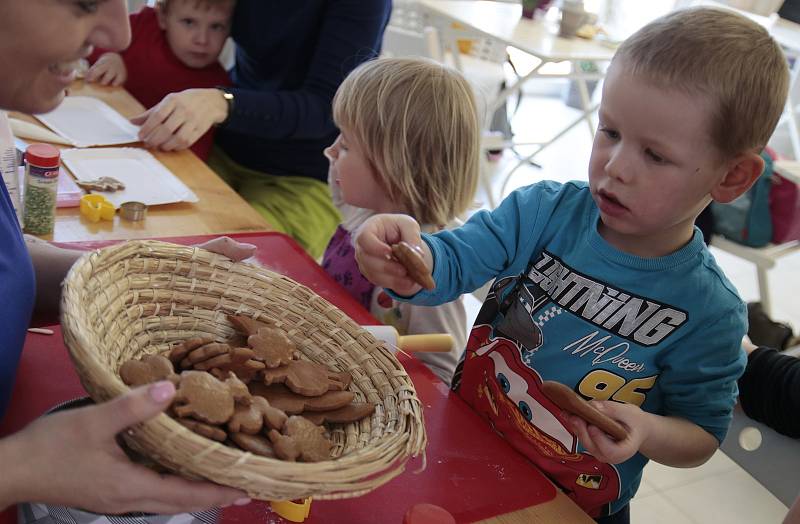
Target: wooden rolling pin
(429, 343)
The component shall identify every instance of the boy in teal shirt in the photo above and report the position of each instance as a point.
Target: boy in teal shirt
(607, 287)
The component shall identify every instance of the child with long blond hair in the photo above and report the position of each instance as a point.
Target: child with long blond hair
(408, 143)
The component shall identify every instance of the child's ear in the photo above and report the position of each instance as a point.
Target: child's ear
(161, 16)
(742, 173)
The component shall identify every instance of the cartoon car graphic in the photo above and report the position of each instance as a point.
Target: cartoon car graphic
(516, 310)
(505, 392)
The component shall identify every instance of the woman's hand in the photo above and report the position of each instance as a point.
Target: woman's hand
(72, 458)
(229, 247)
(373, 243)
(109, 70)
(180, 119)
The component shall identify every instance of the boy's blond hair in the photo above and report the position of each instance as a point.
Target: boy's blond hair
(417, 124)
(724, 56)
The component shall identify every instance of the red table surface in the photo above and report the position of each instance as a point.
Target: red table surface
(471, 472)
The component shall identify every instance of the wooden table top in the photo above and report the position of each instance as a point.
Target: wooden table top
(561, 509)
(219, 209)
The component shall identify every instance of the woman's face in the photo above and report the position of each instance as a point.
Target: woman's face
(41, 42)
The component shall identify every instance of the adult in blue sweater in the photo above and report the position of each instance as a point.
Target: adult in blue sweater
(71, 458)
(276, 121)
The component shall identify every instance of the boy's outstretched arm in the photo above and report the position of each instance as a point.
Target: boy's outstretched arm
(671, 441)
(373, 243)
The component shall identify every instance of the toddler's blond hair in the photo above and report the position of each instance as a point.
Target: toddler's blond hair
(722, 55)
(416, 121)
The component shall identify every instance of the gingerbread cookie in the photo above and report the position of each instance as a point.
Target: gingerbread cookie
(412, 260)
(203, 397)
(566, 399)
(104, 183)
(250, 419)
(272, 347)
(349, 413)
(203, 353)
(237, 340)
(205, 430)
(246, 325)
(180, 351)
(240, 361)
(306, 378)
(257, 444)
(246, 371)
(150, 368)
(285, 447)
(312, 446)
(281, 397)
(238, 389)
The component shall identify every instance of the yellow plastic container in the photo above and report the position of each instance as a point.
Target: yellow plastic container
(291, 510)
(96, 208)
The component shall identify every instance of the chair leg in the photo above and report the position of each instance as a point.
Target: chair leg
(486, 180)
(763, 291)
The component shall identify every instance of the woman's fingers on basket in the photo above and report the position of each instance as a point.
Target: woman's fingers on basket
(139, 405)
(230, 248)
(169, 494)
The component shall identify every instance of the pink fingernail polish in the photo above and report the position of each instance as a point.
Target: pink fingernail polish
(244, 501)
(161, 391)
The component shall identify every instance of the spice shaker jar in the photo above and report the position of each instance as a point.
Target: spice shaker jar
(41, 188)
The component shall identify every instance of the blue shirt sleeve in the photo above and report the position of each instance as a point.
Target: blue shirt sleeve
(700, 384)
(490, 244)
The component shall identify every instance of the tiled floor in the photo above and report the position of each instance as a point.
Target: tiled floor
(719, 491)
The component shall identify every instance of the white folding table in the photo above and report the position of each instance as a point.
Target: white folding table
(503, 22)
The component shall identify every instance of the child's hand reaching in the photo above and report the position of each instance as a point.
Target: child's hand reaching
(373, 243)
(602, 446)
(109, 70)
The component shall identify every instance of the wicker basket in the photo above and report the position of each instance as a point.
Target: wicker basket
(138, 297)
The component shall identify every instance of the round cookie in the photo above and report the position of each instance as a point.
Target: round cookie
(410, 258)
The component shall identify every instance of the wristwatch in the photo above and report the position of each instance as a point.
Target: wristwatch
(229, 99)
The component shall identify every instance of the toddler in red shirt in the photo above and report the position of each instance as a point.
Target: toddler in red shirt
(174, 46)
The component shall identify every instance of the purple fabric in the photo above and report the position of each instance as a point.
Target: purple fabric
(339, 261)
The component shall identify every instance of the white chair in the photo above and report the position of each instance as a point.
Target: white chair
(765, 257)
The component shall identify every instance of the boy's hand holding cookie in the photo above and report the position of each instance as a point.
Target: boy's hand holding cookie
(600, 444)
(376, 260)
(109, 70)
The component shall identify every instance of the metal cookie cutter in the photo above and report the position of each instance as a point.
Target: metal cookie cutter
(97, 207)
(133, 211)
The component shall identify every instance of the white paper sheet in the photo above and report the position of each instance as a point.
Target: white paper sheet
(85, 121)
(146, 179)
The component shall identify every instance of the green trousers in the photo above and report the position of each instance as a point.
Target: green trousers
(299, 206)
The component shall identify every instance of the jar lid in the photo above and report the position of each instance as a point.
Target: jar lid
(42, 155)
